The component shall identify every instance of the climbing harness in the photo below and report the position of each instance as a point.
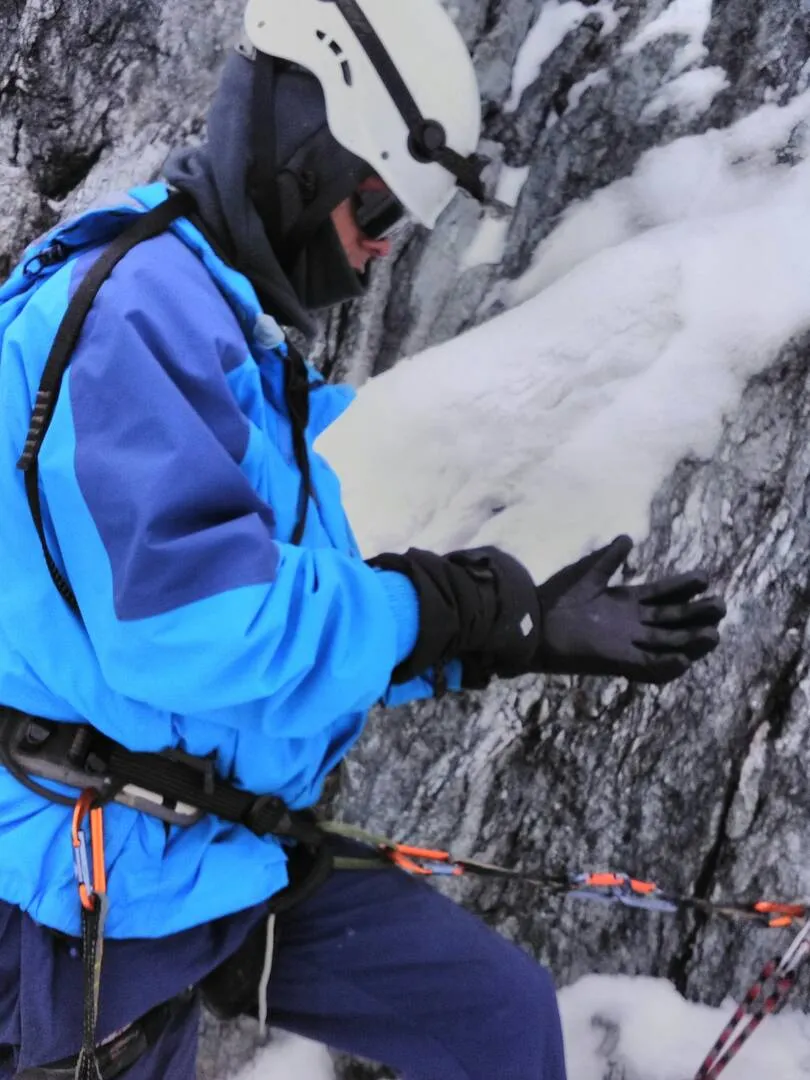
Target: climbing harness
(179, 789)
(175, 788)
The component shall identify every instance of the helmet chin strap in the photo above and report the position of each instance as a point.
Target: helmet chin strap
(291, 211)
(427, 139)
(316, 205)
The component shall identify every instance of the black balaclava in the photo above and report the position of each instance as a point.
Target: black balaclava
(265, 182)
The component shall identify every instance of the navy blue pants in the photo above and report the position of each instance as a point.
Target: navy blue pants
(376, 964)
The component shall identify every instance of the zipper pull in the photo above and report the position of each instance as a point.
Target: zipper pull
(55, 252)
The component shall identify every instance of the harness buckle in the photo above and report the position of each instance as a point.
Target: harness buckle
(205, 766)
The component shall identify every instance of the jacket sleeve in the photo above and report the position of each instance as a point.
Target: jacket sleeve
(404, 601)
(190, 599)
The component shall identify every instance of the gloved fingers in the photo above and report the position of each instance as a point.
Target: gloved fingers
(661, 669)
(609, 559)
(705, 612)
(692, 644)
(702, 643)
(598, 566)
(678, 589)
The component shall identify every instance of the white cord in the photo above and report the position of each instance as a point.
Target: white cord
(264, 982)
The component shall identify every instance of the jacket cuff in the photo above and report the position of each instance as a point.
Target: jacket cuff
(404, 601)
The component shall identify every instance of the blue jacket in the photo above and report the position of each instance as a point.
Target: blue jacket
(170, 490)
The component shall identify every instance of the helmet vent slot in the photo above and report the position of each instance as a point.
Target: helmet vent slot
(336, 48)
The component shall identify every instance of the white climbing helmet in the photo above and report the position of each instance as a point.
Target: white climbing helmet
(400, 88)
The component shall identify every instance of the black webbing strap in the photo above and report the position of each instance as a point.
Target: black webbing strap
(147, 225)
(174, 779)
(82, 757)
(296, 395)
(88, 1066)
(428, 137)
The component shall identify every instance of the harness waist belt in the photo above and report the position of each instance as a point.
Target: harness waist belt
(173, 786)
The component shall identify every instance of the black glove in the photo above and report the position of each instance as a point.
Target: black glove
(648, 633)
(480, 603)
(482, 607)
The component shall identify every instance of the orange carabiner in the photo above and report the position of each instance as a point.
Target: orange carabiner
(412, 860)
(620, 881)
(89, 885)
(781, 914)
(423, 853)
(769, 907)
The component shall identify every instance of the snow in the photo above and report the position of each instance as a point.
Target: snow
(575, 94)
(489, 243)
(642, 317)
(687, 18)
(642, 1029)
(691, 93)
(553, 23)
(289, 1057)
(614, 1027)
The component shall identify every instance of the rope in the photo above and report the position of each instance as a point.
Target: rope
(606, 887)
(766, 997)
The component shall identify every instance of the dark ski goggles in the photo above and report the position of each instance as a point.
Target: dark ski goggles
(379, 214)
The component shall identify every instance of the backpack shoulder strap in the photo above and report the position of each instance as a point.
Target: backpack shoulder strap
(149, 224)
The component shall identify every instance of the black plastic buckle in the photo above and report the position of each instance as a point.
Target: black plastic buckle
(205, 766)
(267, 815)
(79, 756)
(72, 754)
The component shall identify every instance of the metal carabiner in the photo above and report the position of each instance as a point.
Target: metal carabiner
(95, 884)
(622, 889)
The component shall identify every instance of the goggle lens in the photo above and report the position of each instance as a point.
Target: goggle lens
(379, 214)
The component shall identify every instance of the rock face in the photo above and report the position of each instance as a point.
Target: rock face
(702, 786)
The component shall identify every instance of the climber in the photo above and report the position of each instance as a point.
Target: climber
(210, 599)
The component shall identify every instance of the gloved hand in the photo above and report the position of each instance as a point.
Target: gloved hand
(648, 633)
(482, 607)
(480, 603)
